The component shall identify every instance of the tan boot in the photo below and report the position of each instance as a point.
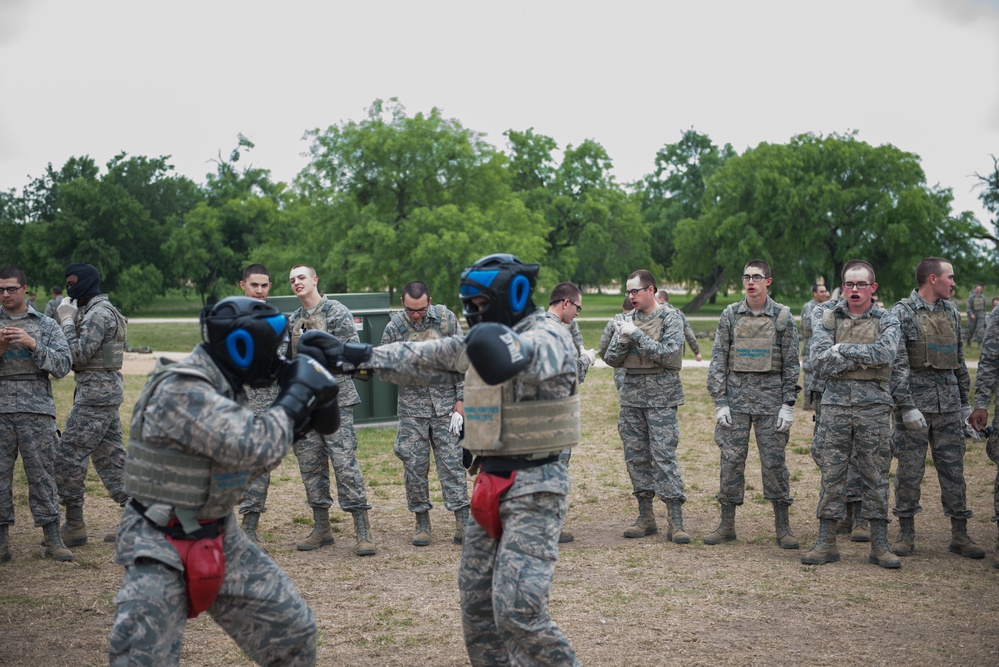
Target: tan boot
(960, 543)
(422, 536)
(825, 550)
(54, 548)
(646, 522)
(322, 531)
(861, 527)
(565, 536)
(782, 525)
(5, 549)
(905, 543)
(460, 523)
(725, 532)
(74, 532)
(364, 546)
(250, 521)
(674, 529)
(881, 555)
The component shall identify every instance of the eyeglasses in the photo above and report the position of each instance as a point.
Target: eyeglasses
(753, 277)
(11, 290)
(860, 285)
(579, 307)
(416, 311)
(633, 292)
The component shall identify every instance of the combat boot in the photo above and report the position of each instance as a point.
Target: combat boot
(322, 531)
(646, 522)
(905, 543)
(364, 546)
(422, 536)
(674, 528)
(782, 525)
(861, 527)
(725, 532)
(565, 536)
(825, 550)
(460, 523)
(960, 543)
(54, 548)
(881, 555)
(250, 521)
(845, 525)
(4, 547)
(74, 532)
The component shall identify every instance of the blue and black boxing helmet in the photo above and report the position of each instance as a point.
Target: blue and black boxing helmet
(243, 335)
(506, 282)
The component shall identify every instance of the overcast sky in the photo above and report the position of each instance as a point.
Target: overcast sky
(182, 78)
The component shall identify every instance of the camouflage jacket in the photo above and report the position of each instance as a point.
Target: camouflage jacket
(52, 306)
(95, 325)
(583, 363)
(826, 363)
(753, 393)
(340, 323)
(933, 391)
(988, 365)
(655, 390)
(435, 400)
(188, 414)
(806, 333)
(688, 333)
(51, 355)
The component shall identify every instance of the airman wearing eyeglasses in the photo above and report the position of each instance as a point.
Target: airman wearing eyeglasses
(648, 344)
(753, 379)
(429, 417)
(32, 348)
(855, 344)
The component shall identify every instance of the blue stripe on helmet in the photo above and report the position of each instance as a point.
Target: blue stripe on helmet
(483, 278)
(278, 323)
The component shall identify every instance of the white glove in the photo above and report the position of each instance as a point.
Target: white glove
(785, 418)
(723, 417)
(966, 413)
(627, 329)
(456, 422)
(969, 430)
(914, 420)
(591, 355)
(66, 310)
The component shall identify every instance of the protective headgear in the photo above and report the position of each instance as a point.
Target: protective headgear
(506, 282)
(243, 335)
(88, 281)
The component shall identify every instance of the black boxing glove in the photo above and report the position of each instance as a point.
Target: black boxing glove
(305, 385)
(496, 351)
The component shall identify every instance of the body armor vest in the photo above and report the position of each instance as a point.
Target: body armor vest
(864, 331)
(755, 342)
(636, 364)
(977, 302)
(112, 354)
(497, 426)
(935, 346)
(411, 333)
(196, 486)
(18, 363)
(313, 322)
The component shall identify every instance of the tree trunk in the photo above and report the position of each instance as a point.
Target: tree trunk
(712, 285)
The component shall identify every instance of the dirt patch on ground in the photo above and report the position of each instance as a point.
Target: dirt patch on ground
(621, 602)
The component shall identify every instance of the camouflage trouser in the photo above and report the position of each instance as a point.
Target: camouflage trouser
(945, 437)
(976, 327)
(417, 435)
(650, 437)
(258, 606)
(92, 433)
(992, 450)
(315, 452)
(255, 494)
(862, 435)
(854, 485)
(734, 445)
(505, 585)
(807, 401)
(34, 436)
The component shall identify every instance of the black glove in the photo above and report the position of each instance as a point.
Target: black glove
(496, 351)
(306, 386)
(331, 352)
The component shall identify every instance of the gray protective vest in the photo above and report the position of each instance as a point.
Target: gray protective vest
(112, 354)
(935, 346)
(314, 322)
(410, 332)
(864, 331)
(978, 302)
(636, 364)
(18, 363)
(497, 426)
(196, 486)
(755, 344)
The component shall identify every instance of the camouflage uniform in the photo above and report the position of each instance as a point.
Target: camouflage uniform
(257, 605)
(93, 429)
(52, 306)
(806, 338)
(976, 306)
(28, 416)
(854, 423)
(754, 399)
(939, 395)
(688, 333)
(425, 418)
(505, 584)
(647, 424)
(255, 496)
(605, 339)
(986, 383)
